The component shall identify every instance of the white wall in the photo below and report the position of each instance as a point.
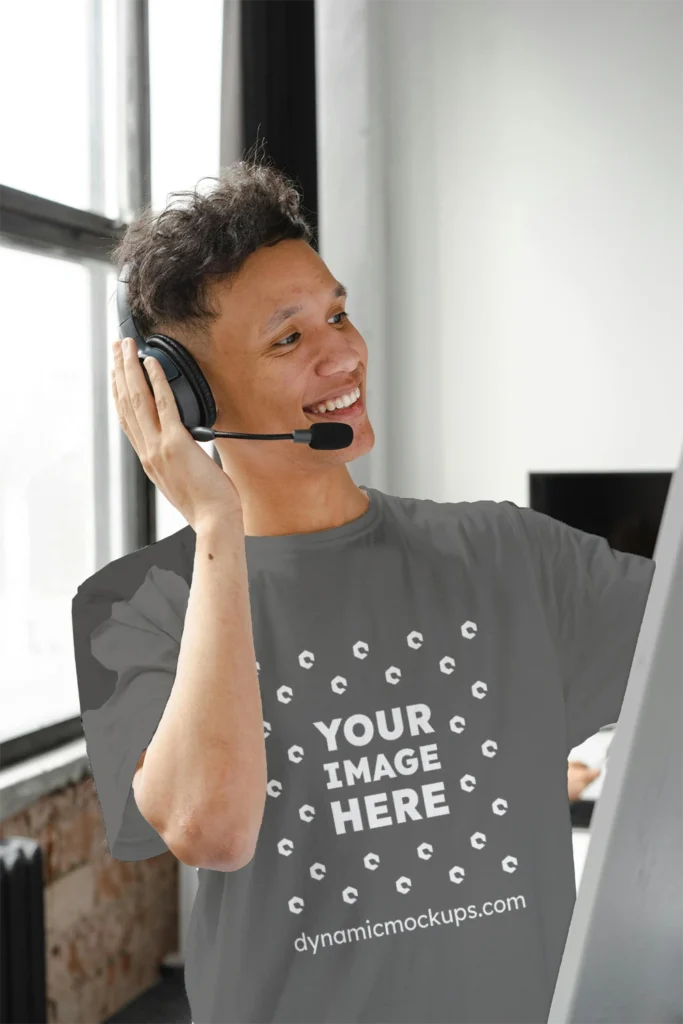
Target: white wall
(518, 167)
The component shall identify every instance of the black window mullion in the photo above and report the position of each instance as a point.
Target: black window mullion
(40, 224)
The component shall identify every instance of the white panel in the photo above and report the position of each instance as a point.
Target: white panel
(624, 950)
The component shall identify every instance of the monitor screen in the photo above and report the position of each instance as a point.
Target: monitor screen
(625, 508)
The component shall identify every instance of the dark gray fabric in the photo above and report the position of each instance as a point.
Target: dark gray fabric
(424, 672)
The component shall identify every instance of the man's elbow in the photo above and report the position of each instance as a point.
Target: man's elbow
(198, 846)
(206, 838)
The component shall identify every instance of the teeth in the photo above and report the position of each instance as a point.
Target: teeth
(343, 402)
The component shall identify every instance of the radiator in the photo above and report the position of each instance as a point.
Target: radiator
(22, 933)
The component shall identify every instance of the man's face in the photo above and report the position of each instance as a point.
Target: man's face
(266, 372)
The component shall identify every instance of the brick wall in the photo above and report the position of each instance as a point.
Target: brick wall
(109, 923)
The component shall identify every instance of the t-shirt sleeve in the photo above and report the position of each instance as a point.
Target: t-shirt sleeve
(594, 599)
(126, 657)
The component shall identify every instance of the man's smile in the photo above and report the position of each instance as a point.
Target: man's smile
(353, 411)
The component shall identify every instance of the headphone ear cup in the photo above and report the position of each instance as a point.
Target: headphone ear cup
(196, 405)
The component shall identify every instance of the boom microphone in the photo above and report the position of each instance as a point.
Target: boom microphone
(325, 436)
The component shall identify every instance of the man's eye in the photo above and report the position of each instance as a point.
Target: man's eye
(283, 343)
(288, 340)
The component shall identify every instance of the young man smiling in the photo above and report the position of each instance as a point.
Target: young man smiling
(350, 711)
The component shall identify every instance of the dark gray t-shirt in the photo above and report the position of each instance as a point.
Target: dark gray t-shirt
(424, 672)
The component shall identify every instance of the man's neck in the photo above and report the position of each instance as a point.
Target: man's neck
(316, 502)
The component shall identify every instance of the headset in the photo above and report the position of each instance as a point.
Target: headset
(196, 405)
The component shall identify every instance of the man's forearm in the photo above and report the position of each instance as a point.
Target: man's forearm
(203, 781)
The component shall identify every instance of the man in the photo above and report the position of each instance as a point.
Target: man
(352, 712)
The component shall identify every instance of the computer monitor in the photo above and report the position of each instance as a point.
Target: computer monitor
(624, 507)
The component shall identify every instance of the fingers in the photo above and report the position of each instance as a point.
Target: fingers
(142, 405)
(166, 407)
(144, 413)
(121, 396)
(581, 769)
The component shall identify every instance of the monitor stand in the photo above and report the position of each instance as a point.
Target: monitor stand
(623, 959)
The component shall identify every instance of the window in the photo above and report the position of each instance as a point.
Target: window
(48, 448)
(59, 129)
(69, 173)
(61, 501)
(185, 94)
(60, 507)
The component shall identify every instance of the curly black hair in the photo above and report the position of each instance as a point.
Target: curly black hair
(202, 238)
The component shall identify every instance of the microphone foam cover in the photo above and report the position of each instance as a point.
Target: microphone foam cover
(329, 436)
